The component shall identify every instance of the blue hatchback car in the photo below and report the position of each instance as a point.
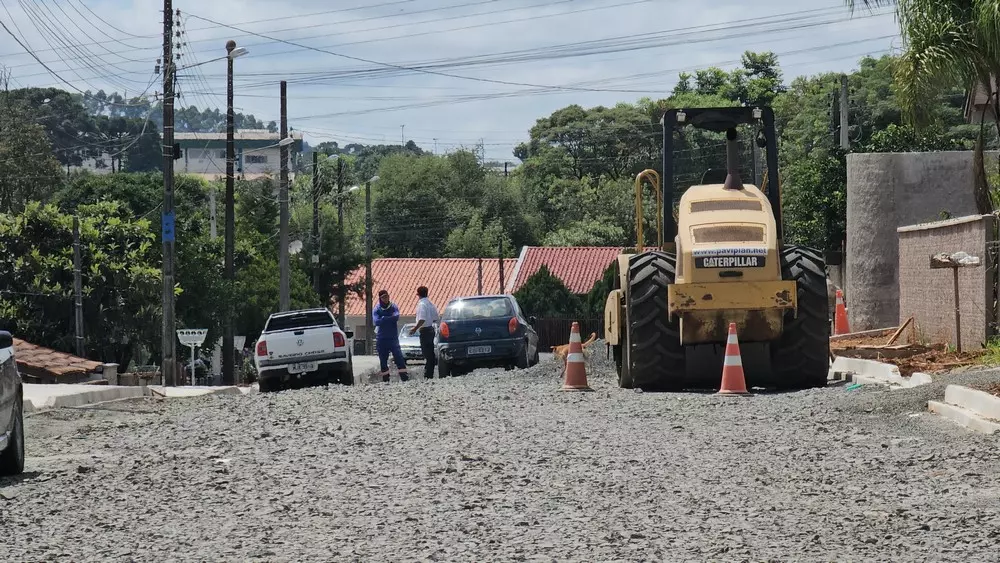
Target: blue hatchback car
(485, 331)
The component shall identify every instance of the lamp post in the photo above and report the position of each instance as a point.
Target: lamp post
(228, 360)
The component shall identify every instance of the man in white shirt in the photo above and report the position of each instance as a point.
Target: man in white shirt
(427, 319)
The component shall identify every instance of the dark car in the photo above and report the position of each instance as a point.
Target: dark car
(11, 405)
(485, 331)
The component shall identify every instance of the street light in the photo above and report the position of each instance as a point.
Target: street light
(228, 360)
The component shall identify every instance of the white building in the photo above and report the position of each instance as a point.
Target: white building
(257, 153)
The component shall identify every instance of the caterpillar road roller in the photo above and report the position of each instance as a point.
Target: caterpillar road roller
(721, 260)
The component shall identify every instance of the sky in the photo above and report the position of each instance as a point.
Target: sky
(447, 74)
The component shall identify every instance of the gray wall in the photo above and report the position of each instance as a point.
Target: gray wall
(886, 191)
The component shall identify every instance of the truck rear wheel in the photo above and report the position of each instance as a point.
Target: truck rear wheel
(653, 355)
(801, 357)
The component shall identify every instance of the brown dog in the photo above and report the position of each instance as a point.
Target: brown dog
(562, 350)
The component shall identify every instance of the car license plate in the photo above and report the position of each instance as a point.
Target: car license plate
(302, 368)
(479, 350)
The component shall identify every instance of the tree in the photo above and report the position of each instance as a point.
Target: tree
(476, 240)
(410, 216)
(28, 169)
(120, 279)
(544, 295)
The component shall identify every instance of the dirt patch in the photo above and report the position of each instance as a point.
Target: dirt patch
(991, 388)
(909, 358)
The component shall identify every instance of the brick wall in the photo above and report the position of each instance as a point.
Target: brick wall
(929, 296)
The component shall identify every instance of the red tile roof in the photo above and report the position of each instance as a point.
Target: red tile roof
(38, 361)
(445, 279)
(579, 267)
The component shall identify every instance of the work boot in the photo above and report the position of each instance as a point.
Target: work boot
(404, 377)
(385, 378)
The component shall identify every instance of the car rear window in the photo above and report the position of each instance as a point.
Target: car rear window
(300, 320)
(480, 308)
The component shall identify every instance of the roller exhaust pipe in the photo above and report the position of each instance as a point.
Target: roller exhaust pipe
(733, 180)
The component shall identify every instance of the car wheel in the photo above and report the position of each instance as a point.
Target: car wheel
(444, 369)
(347, 374)
(523, 362)
(12, 458)
(270, 384)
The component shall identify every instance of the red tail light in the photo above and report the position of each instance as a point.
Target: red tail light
(338, 340)
(443, 330)
(262, 348)
(512, 325)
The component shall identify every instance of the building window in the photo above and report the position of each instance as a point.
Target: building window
(256, 159)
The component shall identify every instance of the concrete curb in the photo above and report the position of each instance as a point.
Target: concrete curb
(187, 392)
(870, 372)
(971, 408)
(98, 395)
(27, 407)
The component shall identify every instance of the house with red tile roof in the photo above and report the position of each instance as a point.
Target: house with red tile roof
(445, 278)
(579, 267)
(38, 364)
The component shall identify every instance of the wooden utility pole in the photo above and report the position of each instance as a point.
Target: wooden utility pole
(167, 343)
(283, 297)
(315, 228)
(479, 285)
(78, 288)
(340, 229)
(845, 141)
(500, 260)
(368, 267)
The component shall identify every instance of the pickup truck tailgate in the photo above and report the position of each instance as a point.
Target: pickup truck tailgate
(300, 344)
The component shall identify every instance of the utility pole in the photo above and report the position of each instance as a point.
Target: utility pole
(402, 142)
(283, 301)
(479, 284)
(368, 267)
(505, 169)
(78, 287)
(435, 145)
(168, 364)
(845, 142)
(315, 228)
(340, 228)
(228, 332)
(500, 260)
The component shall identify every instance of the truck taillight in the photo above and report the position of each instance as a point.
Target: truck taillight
(512, 325)
(338, 340)
(443, 330)
(262, 348)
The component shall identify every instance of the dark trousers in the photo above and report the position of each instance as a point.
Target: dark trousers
(427, 349)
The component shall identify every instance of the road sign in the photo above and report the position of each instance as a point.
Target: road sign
(192, 337)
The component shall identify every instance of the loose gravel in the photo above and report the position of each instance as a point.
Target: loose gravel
(503, 466)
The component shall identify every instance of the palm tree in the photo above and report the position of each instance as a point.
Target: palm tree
(947, 42)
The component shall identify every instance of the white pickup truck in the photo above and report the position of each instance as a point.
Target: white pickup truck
(303, 347)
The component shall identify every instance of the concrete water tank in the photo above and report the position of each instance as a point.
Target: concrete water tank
(886, 191)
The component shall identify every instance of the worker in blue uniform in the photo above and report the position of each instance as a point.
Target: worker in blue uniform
(385, 319)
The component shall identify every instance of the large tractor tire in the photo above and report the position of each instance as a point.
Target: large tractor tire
(653, 354)
(800, 359)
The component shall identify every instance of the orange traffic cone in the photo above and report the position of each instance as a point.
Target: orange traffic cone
(576, 367)
(733, 381)
(840, 316)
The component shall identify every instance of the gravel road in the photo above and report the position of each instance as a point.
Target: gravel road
(501, 466)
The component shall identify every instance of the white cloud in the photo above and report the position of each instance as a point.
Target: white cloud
(410, 32)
